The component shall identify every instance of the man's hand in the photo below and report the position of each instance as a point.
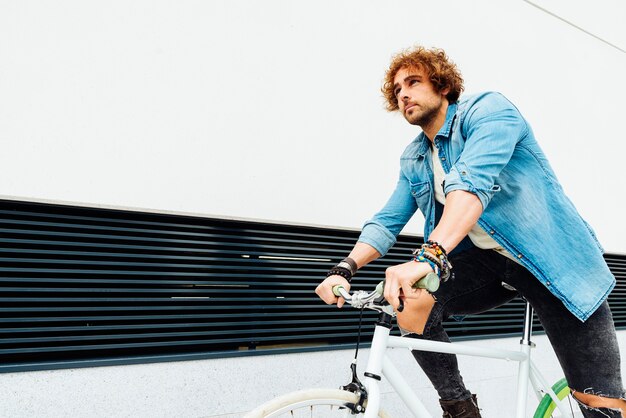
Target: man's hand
(399, 281)
(325, 290)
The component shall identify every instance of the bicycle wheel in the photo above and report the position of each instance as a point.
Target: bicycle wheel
(547, 406)
(315, 403)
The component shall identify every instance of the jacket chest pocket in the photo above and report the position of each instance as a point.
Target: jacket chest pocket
(421, 193)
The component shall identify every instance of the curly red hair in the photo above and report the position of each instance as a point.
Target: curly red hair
(442, 72)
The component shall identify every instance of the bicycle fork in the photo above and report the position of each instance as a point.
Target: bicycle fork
(377, 364)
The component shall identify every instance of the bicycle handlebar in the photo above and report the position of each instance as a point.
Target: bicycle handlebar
(430, 282)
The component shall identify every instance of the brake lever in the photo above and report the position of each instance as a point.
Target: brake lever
(400, 306)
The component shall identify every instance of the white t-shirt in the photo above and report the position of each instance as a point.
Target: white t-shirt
(479, 237)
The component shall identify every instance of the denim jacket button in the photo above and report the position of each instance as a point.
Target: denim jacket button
(519, 256)
(548, 284)
(443, 158)
(492, 232)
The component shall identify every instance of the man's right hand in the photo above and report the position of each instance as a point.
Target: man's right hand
(325, 290)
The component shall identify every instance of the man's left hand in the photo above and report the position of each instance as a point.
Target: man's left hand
(399, 281)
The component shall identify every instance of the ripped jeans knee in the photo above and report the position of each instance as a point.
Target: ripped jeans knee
(595, 404)
(416, 314)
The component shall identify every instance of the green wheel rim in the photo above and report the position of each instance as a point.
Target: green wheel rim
(547, 406)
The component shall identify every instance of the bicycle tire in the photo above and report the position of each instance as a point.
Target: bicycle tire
(547, 406)
(330, 401)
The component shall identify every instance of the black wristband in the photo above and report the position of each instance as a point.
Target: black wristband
(340, 271)
(352, 264)
(348, 263)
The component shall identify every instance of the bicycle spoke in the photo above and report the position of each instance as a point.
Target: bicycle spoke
(556, 413)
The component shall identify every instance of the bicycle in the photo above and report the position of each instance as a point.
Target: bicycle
(363, 399)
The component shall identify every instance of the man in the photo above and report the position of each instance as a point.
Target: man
(495, 214)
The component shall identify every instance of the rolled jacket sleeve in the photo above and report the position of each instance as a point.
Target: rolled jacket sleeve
(380, 232)
(492, 128)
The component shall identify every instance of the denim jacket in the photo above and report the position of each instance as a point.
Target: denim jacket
(487, 148)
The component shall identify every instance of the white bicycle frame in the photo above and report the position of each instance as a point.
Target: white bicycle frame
(379, 364)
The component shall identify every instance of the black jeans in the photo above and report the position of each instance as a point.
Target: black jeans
(588, 351)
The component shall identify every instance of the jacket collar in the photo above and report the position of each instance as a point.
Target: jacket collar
(447, 125)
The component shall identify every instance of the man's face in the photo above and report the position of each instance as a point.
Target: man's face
(418, 100)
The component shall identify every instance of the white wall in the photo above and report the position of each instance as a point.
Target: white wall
(265, 109)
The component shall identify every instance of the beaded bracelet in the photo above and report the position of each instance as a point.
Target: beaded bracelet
(422, 254)
(422, 259)
(432, 250)
(431, 257)
(436, 246)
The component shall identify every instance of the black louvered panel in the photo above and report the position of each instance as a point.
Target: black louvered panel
(617, 298)
(79, 283)
(89, 285)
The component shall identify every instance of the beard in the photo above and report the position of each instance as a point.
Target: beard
(423, 115)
